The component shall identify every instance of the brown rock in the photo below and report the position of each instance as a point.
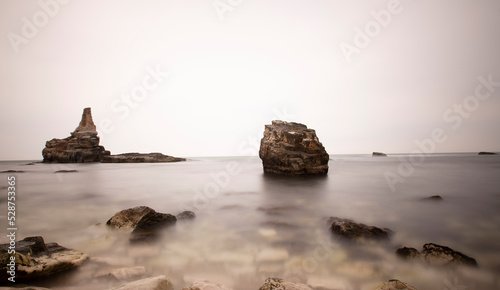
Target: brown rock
(292, 149)
(140, 158)
(349, 230)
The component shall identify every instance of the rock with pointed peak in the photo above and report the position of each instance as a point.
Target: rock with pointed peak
(81, 147)
(289, 148)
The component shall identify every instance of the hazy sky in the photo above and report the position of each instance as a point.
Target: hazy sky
(202, 78)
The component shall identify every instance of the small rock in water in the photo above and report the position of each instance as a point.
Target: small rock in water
(280, 284)
(436, 255)
(349, 230)
(186, 215)
(433, 198)
(394, 285)
(486, 153)
(379, 154)
(65, 171)
(129, 218)
(12, 171)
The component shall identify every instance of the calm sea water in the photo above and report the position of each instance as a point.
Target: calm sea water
(250, 226)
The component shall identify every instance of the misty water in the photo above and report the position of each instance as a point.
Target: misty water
(251, 226)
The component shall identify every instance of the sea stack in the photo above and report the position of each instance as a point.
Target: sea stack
(81, 147)
(289, 148)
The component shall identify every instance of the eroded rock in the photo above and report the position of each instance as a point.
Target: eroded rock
(436, 255)
(289, 148)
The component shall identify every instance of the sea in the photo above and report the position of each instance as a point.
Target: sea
(250, 226)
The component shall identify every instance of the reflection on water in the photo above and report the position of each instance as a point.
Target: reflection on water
(252, 226)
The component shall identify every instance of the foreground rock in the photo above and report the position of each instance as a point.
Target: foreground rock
(144, 222)
(379, 154)
(280, 284)
(82, 146)
(349, 230)
(153, 283)
(394, 285)
(486, 153)
(140, 158)
(436, 255)
(35, 259)
(292, 149)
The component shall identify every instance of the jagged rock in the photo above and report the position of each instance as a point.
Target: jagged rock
(349, 230)
(394, 285)
(487, 153)
(153, 283)
(436, 255)
(292, 149)
(144, 222)
(140, 158)
(82, 146)
(34, 259)
(280, 284)
(186, 215)
(379, 154)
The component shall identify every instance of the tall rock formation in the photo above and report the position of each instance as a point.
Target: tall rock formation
(289, 148)
(82, 146)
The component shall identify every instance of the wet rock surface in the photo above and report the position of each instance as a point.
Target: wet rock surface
(436, 255)
(349, 230)
(34, 259)
(289, 148)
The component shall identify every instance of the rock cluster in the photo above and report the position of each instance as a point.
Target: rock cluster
(81, 147)
(436, 255)
(349, 230)
(289, 148)
(34, 259)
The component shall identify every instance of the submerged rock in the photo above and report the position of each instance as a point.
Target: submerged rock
(394, 285)
(143, 221)
(379, 154)
(292, 149)
(433, 198)
(153, 283)
(487, 153)
(349, 230)
(12, 171)
(206, 285)
(436, 255)
(140, 158)
(186, 215)
(34, 259)
(65, 171)
(280, 284)
(81, 147)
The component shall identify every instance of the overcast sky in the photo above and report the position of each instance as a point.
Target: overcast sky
(203, 77)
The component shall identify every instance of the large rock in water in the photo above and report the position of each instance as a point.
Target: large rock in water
(292, 149)
(34, 259)
(82, 146)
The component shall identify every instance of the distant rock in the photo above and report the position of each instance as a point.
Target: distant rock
(81, 147)
(186, 215)
(153, 283)
(349, 230)
(394, 285)
(280, 284)
(65, 171)
(35, 259)
(487, 153)
(433, 198)
(140, 158)
(12, 171)
(379, 154)
(436, 255)
(142, 221)
(292, 149)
